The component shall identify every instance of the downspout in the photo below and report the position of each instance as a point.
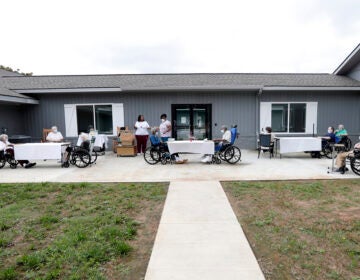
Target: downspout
(257, 111)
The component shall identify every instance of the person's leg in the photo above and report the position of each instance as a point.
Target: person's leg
(164, 139)
(138, 143)
(341, 159)
(145, 139)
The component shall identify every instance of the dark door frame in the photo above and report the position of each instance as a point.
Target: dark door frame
(208, 124)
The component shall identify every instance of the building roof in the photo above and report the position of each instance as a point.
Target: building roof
(352, 60)
(153, 82)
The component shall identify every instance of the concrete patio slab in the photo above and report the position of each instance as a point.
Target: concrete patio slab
(110, 168)
(199, 237)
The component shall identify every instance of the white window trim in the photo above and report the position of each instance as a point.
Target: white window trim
(265, 116)
(117, 121)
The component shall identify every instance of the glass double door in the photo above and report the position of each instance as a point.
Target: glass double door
(191, 120)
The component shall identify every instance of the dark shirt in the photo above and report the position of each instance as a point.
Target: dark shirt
(332, 137)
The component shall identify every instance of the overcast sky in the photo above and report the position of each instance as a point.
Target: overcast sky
(168, 36)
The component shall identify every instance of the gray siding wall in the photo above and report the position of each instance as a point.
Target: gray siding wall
(333, 108)
(355, 73)
(11, 117)
(227, 108)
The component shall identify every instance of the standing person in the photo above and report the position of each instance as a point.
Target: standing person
(165, 128)
(165, 133)
(141, 134)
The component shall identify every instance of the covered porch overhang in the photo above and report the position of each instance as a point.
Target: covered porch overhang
(8, 96)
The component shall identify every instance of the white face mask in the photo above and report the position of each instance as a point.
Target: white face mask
(222, 131)
(162, 120)
(55, 130)
(329, 131)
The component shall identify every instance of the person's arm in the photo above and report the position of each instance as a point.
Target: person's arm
(357, 145)
(48, 137)
(168, 126)
(136, 126)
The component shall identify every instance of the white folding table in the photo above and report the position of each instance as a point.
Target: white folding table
(193, 147)
(40, 151)
(299, 144)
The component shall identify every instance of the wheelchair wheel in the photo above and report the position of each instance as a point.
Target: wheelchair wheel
(13, 163)
(2, 163)
(232, 154)
(355, 165)
(81, 159)
(327, 152)
(348, 144)
(152, 156)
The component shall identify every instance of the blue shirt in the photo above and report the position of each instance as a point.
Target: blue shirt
(155, 141)
(332, 136)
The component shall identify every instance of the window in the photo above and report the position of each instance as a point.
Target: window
(97, 116)
(289, 117)
(102, 117)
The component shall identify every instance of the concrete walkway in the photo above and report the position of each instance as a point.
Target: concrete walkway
(110, 168)
(199, 237)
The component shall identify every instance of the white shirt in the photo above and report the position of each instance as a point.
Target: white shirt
(142, 128)
(164, 129)
(54, 137)
(3, 145)
(227, 136)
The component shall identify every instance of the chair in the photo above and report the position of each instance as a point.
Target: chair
(45, 133)
(265, 144)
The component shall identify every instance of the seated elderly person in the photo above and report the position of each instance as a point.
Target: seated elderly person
(6, 146)
(156, 142)
(226, 138)
(54, 135)
(341, 131)
(341, 159)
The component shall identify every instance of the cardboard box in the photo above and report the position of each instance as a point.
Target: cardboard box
(126, 151)
(127, 138)
(115, 144)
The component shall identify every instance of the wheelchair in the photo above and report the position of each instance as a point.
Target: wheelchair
(6, 157)
(228, 152)
(344, 145)
(158, 153)
(79, 156)
(355, 161)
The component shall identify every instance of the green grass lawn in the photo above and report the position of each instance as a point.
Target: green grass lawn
(78, 231)
(301, 229)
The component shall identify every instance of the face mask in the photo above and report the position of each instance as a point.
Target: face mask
(222, 131)
(162, 120)
(329, 131)
(55, 130)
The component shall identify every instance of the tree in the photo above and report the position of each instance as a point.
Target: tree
(6, 68)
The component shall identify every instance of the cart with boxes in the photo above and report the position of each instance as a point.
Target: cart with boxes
(126, 144)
